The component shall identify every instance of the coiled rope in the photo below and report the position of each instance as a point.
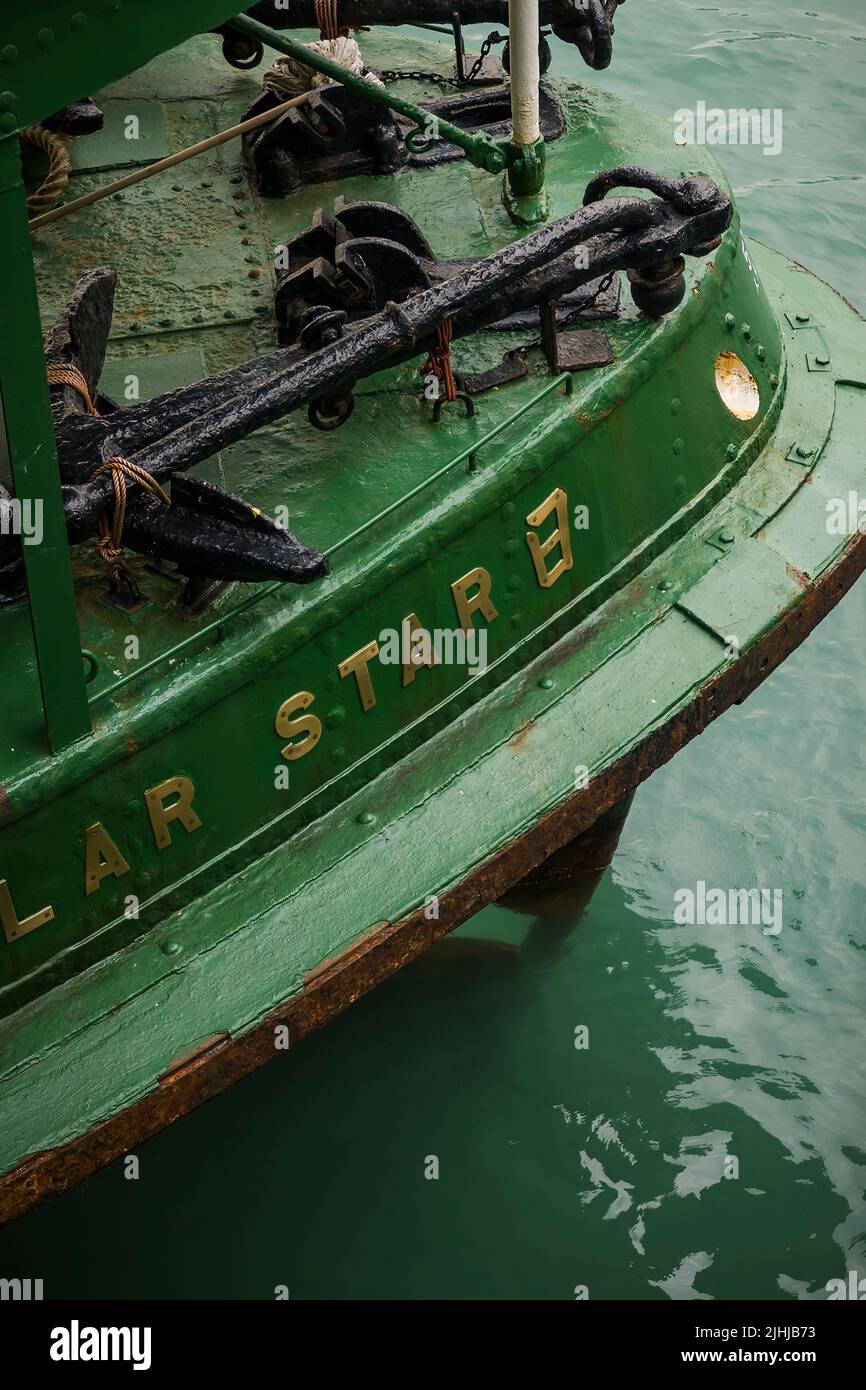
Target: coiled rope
(110, 542)
(290, 78)
(53, 186)
(71, 376)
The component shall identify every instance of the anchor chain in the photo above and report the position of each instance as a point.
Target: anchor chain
(418, 75)
(413, 75)
(488, 43)
(571, 317)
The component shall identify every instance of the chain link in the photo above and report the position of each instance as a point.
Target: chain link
(488, 43)
(416, 75)
(568, 319)
(604, 286)
(412, 75)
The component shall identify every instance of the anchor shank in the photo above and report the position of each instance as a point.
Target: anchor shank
(216, 414)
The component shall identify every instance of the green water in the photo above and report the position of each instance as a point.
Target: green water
(601, 1167)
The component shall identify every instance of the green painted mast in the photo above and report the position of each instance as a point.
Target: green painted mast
(33, 459)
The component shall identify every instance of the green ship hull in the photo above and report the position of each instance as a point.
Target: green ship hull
(265, 815)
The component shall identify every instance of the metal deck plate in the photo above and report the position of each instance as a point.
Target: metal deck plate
(732, 599)
(134, 133)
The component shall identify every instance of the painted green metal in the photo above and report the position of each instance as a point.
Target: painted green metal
(238, 917)
(52, 52)
(480, 149)
(205, 975)
(433, 28)
(34, 471)
(44, 56)
(523, 191)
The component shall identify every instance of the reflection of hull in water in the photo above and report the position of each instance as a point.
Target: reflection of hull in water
(556, 893)
(456, 951)
(563, 884)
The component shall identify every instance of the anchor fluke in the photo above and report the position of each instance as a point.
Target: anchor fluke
(209, 531)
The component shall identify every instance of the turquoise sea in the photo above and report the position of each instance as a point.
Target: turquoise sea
(605, 1167)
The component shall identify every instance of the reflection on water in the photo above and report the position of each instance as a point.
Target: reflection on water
(554, 896)
(709, 1140)
(561, 888)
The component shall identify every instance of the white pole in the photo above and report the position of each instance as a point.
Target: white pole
(523, 61)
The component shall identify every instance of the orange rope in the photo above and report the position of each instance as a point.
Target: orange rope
(326, 18)
(71, 376)
(439, 361)
(110, 543)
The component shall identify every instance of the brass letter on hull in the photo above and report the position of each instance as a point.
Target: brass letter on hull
(358, 664)
(561, 537)
(12, 928)
(102, 858)
(478, 579)
(307, 725)
(161, 815)
(416, 647)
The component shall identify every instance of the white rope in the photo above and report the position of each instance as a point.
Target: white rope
(290, 78)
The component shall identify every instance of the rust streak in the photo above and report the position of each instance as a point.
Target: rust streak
(798, 576)
(196, 1055)
(518, 740)
(330, 963)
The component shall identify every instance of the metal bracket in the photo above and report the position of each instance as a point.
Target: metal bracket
(819, 361)
(569, 352)
(512, 368)
(806, 455)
